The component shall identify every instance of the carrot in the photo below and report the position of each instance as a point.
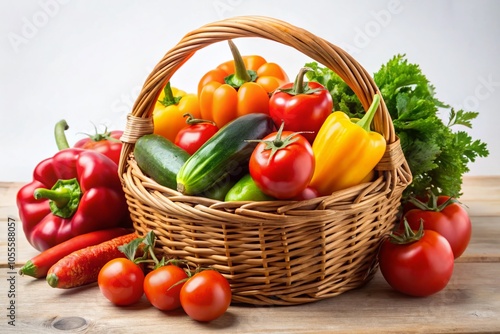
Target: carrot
(39, 265)
(82, 266)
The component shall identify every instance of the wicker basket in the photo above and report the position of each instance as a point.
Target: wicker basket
(275, 252)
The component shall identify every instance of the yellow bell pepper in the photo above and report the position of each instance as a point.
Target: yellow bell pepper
(346, 152)
(168, 114)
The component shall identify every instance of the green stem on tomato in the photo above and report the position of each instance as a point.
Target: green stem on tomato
(432, 203)
(408, 236)
(190, 120)
(278, 142)
(298, 84)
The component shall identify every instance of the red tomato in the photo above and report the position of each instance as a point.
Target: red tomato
(301, 106)
(107, 143)
(282, 164)
(193, 136)
(451, 221)
(162, 287)
(419, 268)
(206, 295)
(121, 281)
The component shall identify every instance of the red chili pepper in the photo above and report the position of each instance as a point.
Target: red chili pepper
(302, 106)
(82, 266)
(107, 143)
(195, 134)
(39, 265)
(76, 191)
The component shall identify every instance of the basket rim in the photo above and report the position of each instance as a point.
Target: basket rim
(276, 212)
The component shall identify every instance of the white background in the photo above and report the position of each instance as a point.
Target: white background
(85, 61)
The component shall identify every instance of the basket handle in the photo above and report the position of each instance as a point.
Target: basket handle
(140, 122)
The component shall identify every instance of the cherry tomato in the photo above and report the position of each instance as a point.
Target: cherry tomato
(419, 268)
(121, 281)
(282, 164)
(195, 134)
(107, 143)
(162, 287)
(206, 295)
(451, 221)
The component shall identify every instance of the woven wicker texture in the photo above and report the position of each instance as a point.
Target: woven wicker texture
(275, 252)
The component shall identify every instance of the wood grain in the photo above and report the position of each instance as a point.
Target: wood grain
(469, 304)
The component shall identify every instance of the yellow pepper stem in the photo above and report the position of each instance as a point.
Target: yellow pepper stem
(169, 98)
(367, 119)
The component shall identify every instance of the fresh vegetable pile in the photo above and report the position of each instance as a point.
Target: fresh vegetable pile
(260, 137)
(435, 229)
(437, 155)
(314, 138)
(249, 134)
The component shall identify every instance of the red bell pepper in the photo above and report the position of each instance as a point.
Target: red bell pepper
(302, 106)
(76, 191)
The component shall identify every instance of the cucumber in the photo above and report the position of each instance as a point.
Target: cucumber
(225, 155)
(160, 159)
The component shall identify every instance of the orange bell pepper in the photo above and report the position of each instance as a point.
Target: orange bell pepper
(238, 87)
(346, 151)
(168, 114)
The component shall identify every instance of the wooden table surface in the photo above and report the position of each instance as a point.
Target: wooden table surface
(469, 304)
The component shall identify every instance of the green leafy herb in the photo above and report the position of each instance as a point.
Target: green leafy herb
(461, 117)
(437, 155)
(130, 249)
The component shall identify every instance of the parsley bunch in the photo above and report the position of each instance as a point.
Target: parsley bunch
(437, 155)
